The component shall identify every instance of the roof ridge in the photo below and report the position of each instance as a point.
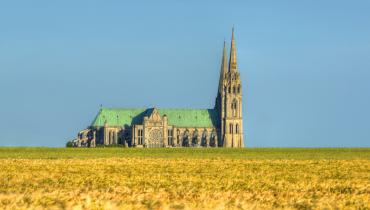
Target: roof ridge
(181, 117)
(150, 108)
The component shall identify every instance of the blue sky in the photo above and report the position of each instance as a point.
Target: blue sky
(305, 66)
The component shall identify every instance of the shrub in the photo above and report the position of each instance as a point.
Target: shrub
(69, 144)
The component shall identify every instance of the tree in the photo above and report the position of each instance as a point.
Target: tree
(69, 144)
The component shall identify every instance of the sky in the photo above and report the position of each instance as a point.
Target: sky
(305, 66)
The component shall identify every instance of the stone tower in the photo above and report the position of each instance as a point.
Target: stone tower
(229, 100)
(221, 126)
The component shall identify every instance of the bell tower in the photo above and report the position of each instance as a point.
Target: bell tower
(229, 100)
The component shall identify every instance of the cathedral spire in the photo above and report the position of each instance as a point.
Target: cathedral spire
(223, 67)
(232, 62)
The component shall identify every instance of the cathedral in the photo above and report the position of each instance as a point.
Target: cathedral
(221, 126)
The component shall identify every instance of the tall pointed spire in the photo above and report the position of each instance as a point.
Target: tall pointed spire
(232, 62)
(223, 68)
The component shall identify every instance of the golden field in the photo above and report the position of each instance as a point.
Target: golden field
(117, 178)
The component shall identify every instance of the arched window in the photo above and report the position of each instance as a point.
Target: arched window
(234, 107)
(203, 140)
(140, 136)
(110, 137)
(170, 138)
(213, 139)
(229, 89)
(231, 128)
(238, 88)
(186, 139)
(236, 128)
(234, 89)
(112, 142)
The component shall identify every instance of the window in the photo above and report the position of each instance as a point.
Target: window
(234, 107)
(170, 137)
(113, 135)
(231, 128)
(229, 89)
(186, 139)
(110, 138)
(238, 88)
(213, 139)
(140, 136)
(178, 136)
(195, 138)
(236, 128)
(234, 89)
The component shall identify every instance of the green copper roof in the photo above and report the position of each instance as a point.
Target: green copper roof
(176, 117)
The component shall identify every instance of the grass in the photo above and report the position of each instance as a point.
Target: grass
(254, 153)
(118, 178)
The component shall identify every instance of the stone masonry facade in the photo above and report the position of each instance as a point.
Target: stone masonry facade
(221, 126)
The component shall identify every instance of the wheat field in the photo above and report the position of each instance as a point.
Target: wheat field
(118, 178)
